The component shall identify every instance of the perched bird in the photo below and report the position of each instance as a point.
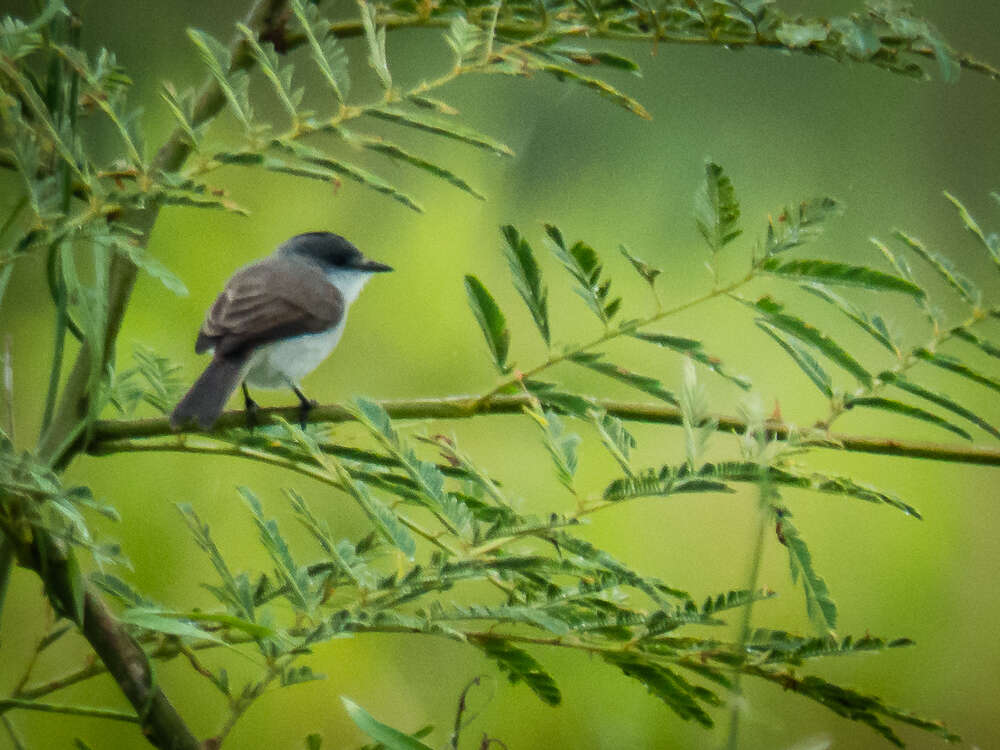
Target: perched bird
(274, 322)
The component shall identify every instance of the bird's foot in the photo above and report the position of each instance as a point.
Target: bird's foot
(251, 407)
(304, 408)
(306, 405)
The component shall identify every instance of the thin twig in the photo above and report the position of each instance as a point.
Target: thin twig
(756, 558)
(95, 711)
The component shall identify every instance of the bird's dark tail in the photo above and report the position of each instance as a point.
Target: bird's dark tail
(209, 394)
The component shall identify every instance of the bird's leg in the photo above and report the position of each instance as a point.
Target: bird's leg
(307, 405)
(252, 407)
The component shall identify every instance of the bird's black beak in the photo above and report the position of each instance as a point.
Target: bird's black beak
(372, 266)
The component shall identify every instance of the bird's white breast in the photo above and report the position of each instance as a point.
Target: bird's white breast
(284, 363)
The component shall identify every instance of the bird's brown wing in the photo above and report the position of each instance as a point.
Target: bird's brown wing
(267, 301)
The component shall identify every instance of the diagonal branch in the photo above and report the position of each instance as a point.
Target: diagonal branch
(117, 436)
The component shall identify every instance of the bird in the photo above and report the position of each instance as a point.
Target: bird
(275, 321)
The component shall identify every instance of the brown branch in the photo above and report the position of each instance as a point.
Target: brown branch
(108, 436)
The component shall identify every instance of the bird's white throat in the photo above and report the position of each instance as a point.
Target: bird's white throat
(349, 281)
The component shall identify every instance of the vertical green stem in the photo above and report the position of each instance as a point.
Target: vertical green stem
(763, 515)
(64, 112)
(58, 287)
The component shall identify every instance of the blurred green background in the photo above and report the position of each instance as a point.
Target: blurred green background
(786, 128)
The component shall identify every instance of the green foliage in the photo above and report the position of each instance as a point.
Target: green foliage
(521, 666)
(819, 606)
(717, 212)
(694, 350)
(154, 380)
(827, 272)
(906, 410)
(491, 320)
(447, 553)
(584, 265)
(527, 278)
(699, 424)
(386, 736)
(795, 227)
(776, 318)
(643, 383)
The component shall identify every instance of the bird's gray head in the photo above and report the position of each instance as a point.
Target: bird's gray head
(331, 251)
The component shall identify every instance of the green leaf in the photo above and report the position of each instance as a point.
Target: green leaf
(644, 269)
(120, 590)
(166, 622)
(992, 246)
(819, 606)
(376, 43)
(958, 367)
(698, 422)
(669, 480)
(491, 321)
(795, 35)
(795, 227)
(228, 621)
(216, 56)
(854, 705)
(616, 438)
(857, 36)
(427, 478)
(390, 524)
(943, 267)
(549, 395)
(693, 349)
(420, 121)
(521, 666)
(197, 199)
(181, 107)
(583, 263)
(311, 155)
(527, 278)
(643, 383)
(963, 333)
(829, 272)
(393, 151)
(677, 693)
(940, 399)
(906, 410)
(280, 75)
(328, 54)
(235, 590)
(391, 739)
(560, 445)
(801, 356)
(717, 212)
(130, 248)
(873, 326)
(464, 39)
(603, 88)
(617, 61)
(774, 315)
(294, 578)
